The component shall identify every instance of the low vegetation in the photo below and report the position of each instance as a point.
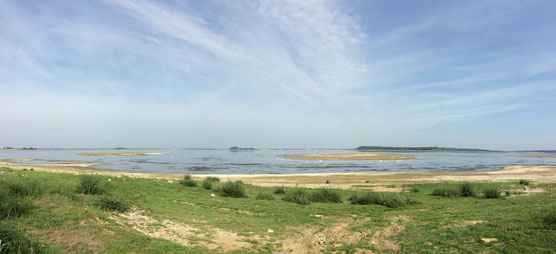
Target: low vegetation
(90, 185)
(71, 221)
(188, 181)
(212, 179)
(524, 182)
(264, 196)
(391, 200)
(207, 184)
(492, 192)
(107, 203)
(232, 189)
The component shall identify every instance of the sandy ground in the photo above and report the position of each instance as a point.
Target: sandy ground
(535, 173)
(535, 155)
(119, 154)
(348, 156)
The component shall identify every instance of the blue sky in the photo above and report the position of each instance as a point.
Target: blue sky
(278, 73)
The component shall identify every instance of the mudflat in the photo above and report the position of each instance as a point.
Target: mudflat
(120, 153)
(348, 156)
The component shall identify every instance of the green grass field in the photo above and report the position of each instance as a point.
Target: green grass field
(59, 213)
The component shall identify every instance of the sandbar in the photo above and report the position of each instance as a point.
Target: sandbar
(535, 155)
(348, 156)
(120, 153)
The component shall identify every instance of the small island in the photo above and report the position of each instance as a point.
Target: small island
(237, 149)
(420, 149)
(348, 156)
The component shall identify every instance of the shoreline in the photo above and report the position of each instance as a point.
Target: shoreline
(344, 180)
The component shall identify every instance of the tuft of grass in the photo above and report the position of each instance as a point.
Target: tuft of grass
(280, 190)
(325, 196)
(107, 203)
(89, 185)
(524, 182)
(391, 200)
(187, 181)
(507, 193)
(466, 190)
(11, 206)
(232, 189)
(207, 184)
(492, 192)
(265, 196)
(415, 190)
(298, 196)
(548, 218)
(444, 192)
(14, 241)
(25, 189)
(213, 179)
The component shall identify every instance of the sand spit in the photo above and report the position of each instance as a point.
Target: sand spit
(535, 173)
(348, 156)
(535, 155)
(120, 154)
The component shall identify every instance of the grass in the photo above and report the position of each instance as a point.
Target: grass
(72, 223)
(492, 192)
(15, 241)
(390, 200)
(264, 196)
(11, 206)
(90, 185)
(465, 189)
(107, 203)
(232, 189)
(213, 179)
(326, 196)
(298, 196)
(187, 181)
(207, 185)
(524, 182)
(280, 190)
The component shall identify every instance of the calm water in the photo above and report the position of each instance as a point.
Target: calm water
(222, 161)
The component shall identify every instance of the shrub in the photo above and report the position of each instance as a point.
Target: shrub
(207, 184)
(415, 189)
(466, 190)
(14, 241)
(280, 190)
(385, 199)
(507, 193)
(491, 192)
(11, 206)
(26, 189)
(232, 189)
(327, 182)
(298, 196)
(326, 196)
(89, 185)
(524, 182)
(112, 204)
(187, 181)
(212, 179)
(265, 196)
(549, 218)
(445, 192)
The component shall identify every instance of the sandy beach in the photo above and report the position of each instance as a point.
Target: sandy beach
(536, 173)
(348, 156)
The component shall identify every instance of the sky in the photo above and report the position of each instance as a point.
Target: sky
(311, 73)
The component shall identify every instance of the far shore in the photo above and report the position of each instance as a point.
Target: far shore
(348, 156)
(536, 173)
